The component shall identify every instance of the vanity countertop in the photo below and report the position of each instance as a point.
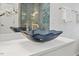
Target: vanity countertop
(21, 45)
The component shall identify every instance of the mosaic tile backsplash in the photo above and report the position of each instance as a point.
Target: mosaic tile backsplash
(41, 18)
(45, 16)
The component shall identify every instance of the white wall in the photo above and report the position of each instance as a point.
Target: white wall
(8, 20)
(70, 30)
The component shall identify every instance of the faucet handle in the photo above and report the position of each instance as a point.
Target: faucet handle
(35, 26)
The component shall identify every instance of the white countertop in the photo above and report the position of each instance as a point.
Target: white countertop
(17, 44)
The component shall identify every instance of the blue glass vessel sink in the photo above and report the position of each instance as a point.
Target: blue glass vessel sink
(44, 35)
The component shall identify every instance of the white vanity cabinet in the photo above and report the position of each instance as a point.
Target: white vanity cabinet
(20, 45)
(67, 49)
(63, 51)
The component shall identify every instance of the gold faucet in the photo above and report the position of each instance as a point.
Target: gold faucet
(34, 26)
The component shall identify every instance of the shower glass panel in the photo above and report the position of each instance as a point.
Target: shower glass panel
(35, 14)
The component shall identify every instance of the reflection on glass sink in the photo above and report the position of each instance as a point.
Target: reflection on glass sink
(18, 29)
(42, 35)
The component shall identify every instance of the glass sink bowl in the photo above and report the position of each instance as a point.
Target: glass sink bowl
(43, 35)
